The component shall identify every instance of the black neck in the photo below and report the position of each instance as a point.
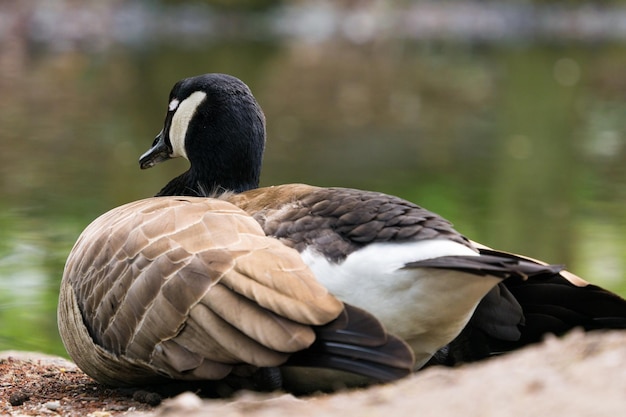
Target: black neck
(191, 184)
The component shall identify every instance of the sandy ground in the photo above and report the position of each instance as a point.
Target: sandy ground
(578, 375)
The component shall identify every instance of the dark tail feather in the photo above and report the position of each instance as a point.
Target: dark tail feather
(356, 342)
(553, 304)
(489, 264)
(564, 300)
(550, 302)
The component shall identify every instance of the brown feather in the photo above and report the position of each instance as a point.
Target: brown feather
(152, 294)
(339, 221)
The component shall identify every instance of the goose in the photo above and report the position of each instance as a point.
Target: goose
(451, 299)
(191, 289)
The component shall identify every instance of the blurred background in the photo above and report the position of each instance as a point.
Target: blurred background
(508, 118)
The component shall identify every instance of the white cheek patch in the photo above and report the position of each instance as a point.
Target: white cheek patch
(180, 121)
(173, 104)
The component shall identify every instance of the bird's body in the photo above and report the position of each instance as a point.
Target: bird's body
(192, 289)
(419, 275)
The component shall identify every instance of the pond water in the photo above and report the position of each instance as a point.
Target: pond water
(521, 144)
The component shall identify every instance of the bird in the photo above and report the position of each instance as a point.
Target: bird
(191, 289)
(451, 299)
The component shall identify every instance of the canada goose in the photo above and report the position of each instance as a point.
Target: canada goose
(402, 263)
(183, 288)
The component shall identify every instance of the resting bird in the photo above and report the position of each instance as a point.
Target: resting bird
(188, 289)
(405, 265)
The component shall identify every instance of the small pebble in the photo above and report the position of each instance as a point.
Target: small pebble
(99, 414)
(145, 397)
(52, 405)
(18, 398)
(184, 402)
(117, 407)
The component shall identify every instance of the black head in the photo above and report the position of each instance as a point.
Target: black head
(213, 121)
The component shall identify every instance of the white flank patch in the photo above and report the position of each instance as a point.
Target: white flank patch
(427, 307)
(378, 259)
(180, 122)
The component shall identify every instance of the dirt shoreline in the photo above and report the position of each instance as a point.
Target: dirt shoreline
(577, 375)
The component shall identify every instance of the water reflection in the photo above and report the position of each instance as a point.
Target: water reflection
(521, 145)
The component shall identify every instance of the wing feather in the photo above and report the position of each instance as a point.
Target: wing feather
(192, 286)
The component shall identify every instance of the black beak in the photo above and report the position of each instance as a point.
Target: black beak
(159, 152)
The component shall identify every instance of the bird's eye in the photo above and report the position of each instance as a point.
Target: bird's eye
(173, 104)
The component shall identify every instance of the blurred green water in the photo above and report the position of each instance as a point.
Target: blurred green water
(522, 146)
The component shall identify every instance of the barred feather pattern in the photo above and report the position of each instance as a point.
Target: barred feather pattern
(188, 288)
(339, 221)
